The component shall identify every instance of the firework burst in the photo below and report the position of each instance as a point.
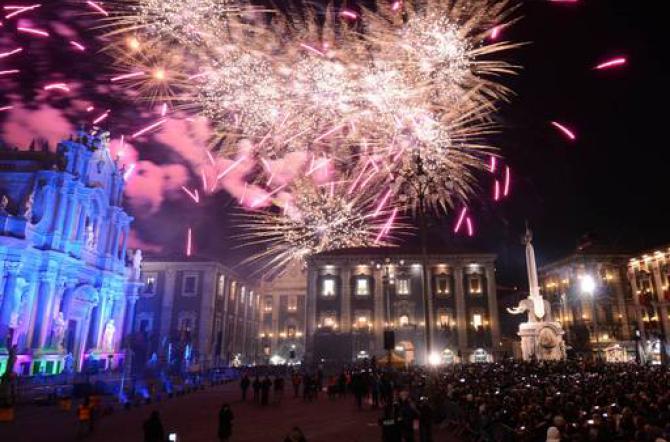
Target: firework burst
(317, 218)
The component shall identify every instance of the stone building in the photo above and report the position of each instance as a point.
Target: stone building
(282, 331)
(354, 295)
(201, 303)
(590, 295)
(649, 277)
(63, 233)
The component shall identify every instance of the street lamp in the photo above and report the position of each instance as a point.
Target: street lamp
(588, 288)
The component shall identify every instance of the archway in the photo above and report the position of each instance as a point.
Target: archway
(77, 307)
(406, 350)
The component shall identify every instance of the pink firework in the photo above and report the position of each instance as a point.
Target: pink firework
(460, 219)
(569, 133)
(614, 62)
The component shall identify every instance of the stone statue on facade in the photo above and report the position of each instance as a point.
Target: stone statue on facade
(137, 264)
(90, 237)
(4, 202)
(58, 330)
(108, 336)
(541, 336)
(28, 207)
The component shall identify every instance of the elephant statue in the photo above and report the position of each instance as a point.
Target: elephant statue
(527, 305)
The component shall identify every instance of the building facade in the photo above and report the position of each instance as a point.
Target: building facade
(649, 277)
(591, 296)
(353, 296)
(66, 290)
(200, 304)
(283, 307)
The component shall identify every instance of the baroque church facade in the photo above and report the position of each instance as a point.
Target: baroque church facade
(67, 294)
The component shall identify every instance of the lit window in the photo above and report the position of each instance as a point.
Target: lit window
(251, 298)
(292, 304)
(290, 331)
(268, 304)
(475, 285)
(403, 320)
(443, 319)
(362, 286)
(190, 285)
(243, 295)
(149, 284)
(477, 320)
(233, 287)
(328, 321)
(220, 285)
(442, 285)
(328, 287)
(403, 286)
(266, 350)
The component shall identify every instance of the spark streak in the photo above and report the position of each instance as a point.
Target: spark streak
(9, 72)
(59, 86)
(19, 10)
(508, 179)
(460, 220)
(194, 195)
(231, 167)
(101, 117)
(565, 130)
(148, 128)
(32, 31)
(7, 54)
(619, 61)
(127, 76)
(78, 45)
(189, 242)
(97, 7)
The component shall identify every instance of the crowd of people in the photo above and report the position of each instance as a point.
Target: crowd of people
(570, 401)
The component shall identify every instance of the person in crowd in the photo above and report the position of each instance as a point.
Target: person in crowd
(257, 389)
(265, 390)
(391, 423)
(244, 385)
(153, 428)
(296, 381)
(295, 435)
(85, 418)
(425, 420)
(278, 389)
(408, 413)
(225, 423)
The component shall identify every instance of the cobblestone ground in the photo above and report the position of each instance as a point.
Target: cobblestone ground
(194, 418)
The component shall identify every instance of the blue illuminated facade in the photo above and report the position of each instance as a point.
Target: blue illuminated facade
(65, 287)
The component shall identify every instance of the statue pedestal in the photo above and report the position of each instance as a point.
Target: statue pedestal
(542, 341)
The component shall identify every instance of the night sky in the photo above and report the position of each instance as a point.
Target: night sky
(610, 184)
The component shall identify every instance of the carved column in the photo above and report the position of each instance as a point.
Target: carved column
(167, 302)
(378, 324)
(69, 218)
(124, 244)
(493, 307)
(636, 299)
(461, 309)
(60, 213)
(46, 299)
(310, 319)
(81, 224)
(11, 298)
(129, 318)
(345, 298)
(618, 282)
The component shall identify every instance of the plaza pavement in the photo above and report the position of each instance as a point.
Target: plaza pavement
(194, 418)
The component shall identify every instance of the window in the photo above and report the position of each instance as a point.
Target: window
(251, 298)
(190, 285)
(292, 304)
(477, 320)
(362, 286)
(475, 285)
(149, 284)
(403, 321)
(266, 350)
(243, 293)
(442, 286)
(362, 320)
(233, 287)
(444, 319)
(268, 304)
(290, 331)
(328, 287)
(403, 286)
(221, 285)
(328, 320)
